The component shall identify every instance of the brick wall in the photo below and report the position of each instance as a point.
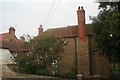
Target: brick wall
(67, 59)
(100, 65)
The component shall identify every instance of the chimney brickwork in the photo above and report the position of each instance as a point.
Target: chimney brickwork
(81, 24)
(83, 64)
(12, 30)
(87, 65)
(40, 30)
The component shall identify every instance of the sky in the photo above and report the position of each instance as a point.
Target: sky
(26, 16)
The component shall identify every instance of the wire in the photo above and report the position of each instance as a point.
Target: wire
(54, 12)
(51, 13)
(51, 8)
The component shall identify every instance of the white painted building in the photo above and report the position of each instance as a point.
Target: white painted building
(5, 58)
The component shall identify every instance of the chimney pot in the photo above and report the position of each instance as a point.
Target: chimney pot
(82, 9)
(40, 30)
(79, 8)
(12, 30)
(40, 26)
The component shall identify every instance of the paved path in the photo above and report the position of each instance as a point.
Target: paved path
(7, 72)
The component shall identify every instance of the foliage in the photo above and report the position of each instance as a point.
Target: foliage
(47, 49)
(68, 75)
(44, 51)
(28, 42)
(26, 37)
(107, 31)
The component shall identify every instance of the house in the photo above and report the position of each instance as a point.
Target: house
(80, 54)
(6, 59)
(10, 41)
(10, 47)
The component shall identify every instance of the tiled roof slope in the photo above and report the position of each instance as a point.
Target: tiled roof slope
(66, 31)
(7, 37)
(11, 42)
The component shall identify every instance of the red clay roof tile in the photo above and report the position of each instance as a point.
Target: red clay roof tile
(66, 31)
(10, 41)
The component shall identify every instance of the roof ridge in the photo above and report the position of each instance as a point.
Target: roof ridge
(62, 27)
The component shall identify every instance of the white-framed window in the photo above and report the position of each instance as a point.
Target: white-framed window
(54, 67)
(29, 53)
(14, 54)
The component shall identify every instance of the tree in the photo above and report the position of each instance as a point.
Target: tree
(107, 31)
(44, 51)
(47, 50)
(26, 38)
(28, 41)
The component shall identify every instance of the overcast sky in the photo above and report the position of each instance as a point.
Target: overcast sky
(27, 16)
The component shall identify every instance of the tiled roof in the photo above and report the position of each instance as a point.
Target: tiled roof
(11, 42)
(89, 29)
(7, 37)
(61, 32)
(66, 31)
(15, 45)
(3, 36)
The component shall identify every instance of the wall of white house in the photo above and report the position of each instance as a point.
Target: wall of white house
(6, 57)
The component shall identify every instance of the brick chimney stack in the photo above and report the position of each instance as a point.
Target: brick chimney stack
(40, 30)
(81, 23)
(12, 30)
(83, 59)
